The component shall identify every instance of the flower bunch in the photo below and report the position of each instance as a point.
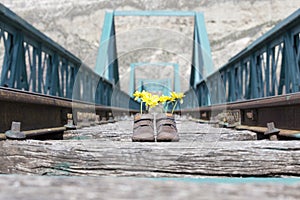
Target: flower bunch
(151, 100)
(147, 98)
(175, 97)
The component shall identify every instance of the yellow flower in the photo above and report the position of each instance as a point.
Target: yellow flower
(141, 95)
(177, 96)
(150, 100)
(137, 95)
(145, 94)
(153, 100)
(164, 98)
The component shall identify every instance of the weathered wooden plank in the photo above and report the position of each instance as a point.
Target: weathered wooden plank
(114, 158)
(189, 131)
(56, 188)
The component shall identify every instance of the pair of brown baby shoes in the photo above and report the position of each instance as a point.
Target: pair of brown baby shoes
(143, 128)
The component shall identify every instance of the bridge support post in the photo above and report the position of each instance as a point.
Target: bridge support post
(107, 62)
(202, 64)
(176, 78)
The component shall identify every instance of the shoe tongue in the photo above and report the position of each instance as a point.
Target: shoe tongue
(143, 116)
(164, 116)
(169, 114)
(137, 117)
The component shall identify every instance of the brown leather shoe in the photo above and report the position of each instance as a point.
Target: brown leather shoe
(166, 128)
(143, 130)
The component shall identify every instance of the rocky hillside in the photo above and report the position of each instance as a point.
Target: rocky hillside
(231, 25)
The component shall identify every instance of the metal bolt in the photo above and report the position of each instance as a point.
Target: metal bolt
(15, 131)
(273, 137)
(272, 132)
(204, 115)
(70, 125)
(250, 115)
(85, 120)
(97, 119)
(92, 119)
(110, 118)
(69, 116)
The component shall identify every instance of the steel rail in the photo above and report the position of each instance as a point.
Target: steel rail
(283, 110)
(38, 111)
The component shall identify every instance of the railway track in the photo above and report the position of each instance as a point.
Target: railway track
(255, 114)
(43, 114)
(48, 115)
(98, 148)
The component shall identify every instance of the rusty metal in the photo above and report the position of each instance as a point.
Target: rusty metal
(257, 129)
(36, 111)
(272, 132)
(283, 110)
(44, 131)
(34, 133)
(250, 115)
(203, 121)
(32, 110)
(262, 130)
(2, 136)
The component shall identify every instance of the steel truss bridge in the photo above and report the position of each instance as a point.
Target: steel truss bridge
(44, 87)
(49, 75)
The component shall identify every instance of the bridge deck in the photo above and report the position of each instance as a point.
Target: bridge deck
(56, 188)
(269, 67)
(107, 150)
(203, 164)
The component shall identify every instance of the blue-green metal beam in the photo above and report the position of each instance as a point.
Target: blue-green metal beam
(155, 85)
(176, 80)
(106, 63)
(132, 79)
(202, 64)
(35, 63)
(155, 13)
(267, 67)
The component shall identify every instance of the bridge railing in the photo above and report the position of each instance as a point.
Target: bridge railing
(33, 62)
(270, 66)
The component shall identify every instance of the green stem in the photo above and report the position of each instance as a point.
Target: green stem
(167, 107)
(162, 110)
(174, 106)
(141, 107)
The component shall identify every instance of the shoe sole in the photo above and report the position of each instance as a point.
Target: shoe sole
(143, 139)
(168, 140)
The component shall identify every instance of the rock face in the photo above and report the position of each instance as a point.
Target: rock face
(231, 26)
